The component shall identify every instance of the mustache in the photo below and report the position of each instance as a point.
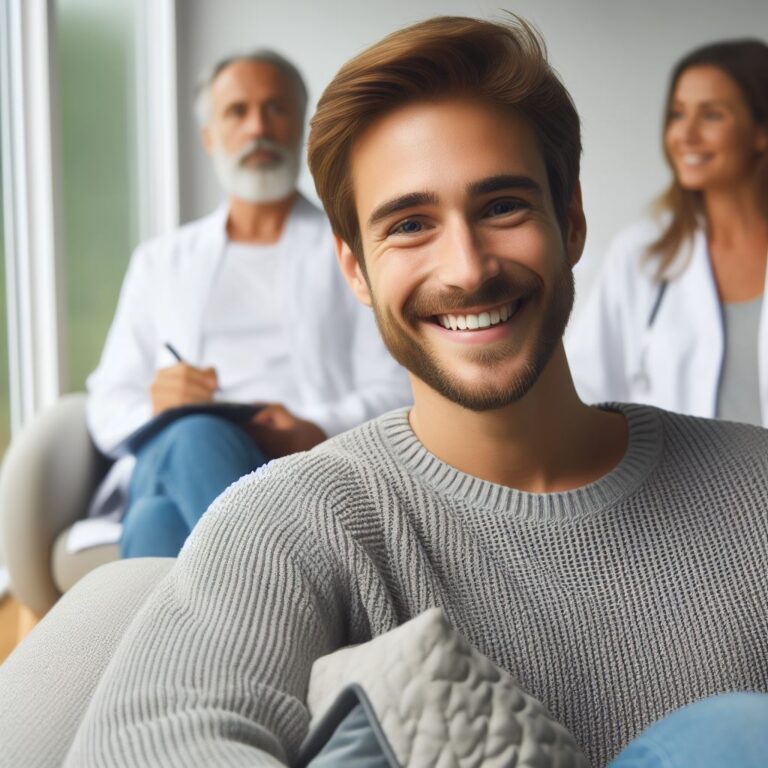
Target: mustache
(261, 145)
(497, 290)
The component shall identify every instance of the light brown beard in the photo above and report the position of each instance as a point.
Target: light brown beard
(413, 356)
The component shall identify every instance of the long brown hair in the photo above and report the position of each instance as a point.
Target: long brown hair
(746, 63)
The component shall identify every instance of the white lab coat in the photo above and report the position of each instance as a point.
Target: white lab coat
(675, 364)
(341, 368)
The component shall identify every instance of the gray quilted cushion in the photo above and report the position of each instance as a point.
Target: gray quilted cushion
(442, 704)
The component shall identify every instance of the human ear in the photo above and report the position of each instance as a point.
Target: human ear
(352, 271)
(577, 227)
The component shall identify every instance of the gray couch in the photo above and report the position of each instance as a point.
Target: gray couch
(419, 695)
(47, 478)
(51, 676)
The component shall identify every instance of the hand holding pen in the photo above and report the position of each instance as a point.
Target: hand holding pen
(173, 351)
(182, 384)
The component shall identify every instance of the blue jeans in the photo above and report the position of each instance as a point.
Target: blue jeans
(177, 475)
(725, 731)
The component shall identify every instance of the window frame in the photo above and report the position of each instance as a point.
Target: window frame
(32, 178)
(32, 231)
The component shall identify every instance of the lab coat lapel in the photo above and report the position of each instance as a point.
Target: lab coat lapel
(311, 294)
(705, 371)
(207, 257)
(299, 297)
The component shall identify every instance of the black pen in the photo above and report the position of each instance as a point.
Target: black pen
(173, 351)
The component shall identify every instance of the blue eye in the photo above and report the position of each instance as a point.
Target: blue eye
(407, 227)
(503, 207)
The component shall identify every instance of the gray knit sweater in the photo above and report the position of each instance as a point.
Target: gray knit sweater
(613, 603)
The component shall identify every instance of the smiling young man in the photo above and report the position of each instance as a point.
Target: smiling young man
(468, 266)
(612, 559)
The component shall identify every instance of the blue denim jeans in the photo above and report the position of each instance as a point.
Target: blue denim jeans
(725, 731)
(178, 474)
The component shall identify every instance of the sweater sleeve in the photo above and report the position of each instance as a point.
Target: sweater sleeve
(215, 669)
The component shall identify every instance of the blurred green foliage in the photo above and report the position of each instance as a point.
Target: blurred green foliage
(94, 51)
(94, 42)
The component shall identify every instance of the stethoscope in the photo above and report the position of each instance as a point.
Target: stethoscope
(641, 381)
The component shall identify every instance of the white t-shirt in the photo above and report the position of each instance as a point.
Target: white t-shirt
(243, 336)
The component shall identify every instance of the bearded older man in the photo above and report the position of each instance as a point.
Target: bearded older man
(245, 305)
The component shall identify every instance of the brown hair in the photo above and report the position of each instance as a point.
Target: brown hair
(746, 63)
(503, 64)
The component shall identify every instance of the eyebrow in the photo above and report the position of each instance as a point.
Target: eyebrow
(475, 189)
(502, 182)
(401, 203)
(704, 103)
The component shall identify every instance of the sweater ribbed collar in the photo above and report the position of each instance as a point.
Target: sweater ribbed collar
(642, 454)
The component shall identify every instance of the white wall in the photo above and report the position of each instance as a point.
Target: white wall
(613, 55)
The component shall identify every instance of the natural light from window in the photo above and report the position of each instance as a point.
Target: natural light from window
(95, 45)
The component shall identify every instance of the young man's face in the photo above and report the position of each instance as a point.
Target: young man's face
(467, 269)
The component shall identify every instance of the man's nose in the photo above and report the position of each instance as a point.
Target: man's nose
(464, 262)
(258, 123)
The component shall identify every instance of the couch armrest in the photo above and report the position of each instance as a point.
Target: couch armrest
(48, 681)
(48, 475)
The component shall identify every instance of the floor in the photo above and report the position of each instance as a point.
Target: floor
(9, 626)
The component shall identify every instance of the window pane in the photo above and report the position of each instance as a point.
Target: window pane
(94, 42)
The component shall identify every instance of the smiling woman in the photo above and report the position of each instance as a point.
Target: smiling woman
(715, 137)
(678, 318)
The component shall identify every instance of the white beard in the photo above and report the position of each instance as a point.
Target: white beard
(258, 185)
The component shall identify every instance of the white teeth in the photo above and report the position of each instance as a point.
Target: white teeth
(693, 159)
(481, 320)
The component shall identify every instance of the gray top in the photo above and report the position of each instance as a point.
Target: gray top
(738, 396)
(613, 603)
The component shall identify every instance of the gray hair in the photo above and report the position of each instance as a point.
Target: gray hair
(261, 56)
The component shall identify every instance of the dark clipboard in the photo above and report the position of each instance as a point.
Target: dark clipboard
(237, 413)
